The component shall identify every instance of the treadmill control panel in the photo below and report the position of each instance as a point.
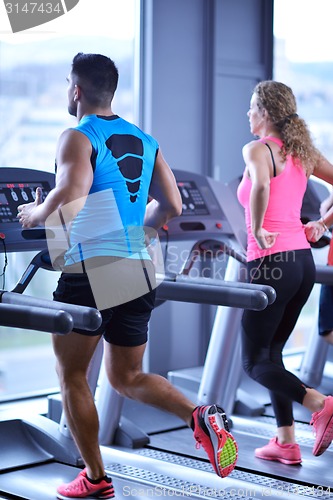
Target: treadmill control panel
(202, 209)
(13, 194)
(192, 199)
(18, 186)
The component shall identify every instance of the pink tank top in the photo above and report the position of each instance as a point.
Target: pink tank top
(283, 214)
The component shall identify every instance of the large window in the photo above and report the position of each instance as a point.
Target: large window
(303, 59)
(33, 110)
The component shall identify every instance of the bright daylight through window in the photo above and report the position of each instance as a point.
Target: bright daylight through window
(34, 65)
(303, 59)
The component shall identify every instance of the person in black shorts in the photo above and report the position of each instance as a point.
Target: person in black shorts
(107, 170)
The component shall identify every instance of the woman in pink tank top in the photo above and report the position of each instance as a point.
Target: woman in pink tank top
(277, 167)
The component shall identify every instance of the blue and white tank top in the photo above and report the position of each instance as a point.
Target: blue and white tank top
(111, 220)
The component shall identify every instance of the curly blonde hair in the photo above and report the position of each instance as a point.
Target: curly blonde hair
(280, 103)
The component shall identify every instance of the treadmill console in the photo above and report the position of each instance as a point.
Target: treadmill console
(202, 214)
(192, 198)
(18, 186)
(13, 194)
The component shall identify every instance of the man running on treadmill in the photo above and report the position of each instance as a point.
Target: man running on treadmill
(107, 170)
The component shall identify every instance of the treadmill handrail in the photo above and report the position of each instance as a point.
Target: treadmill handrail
(86, 318)
(36, 318)
(268, 290)
(324, 274)
(210, 294)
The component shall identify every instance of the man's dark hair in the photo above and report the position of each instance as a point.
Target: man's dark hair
(97, 76)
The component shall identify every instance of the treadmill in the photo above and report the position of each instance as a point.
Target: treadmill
(37, 455)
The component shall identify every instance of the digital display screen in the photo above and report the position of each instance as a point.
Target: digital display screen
(3, 199)
(21, 185)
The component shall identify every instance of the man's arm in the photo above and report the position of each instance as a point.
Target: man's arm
(167, 202)
(73, 181)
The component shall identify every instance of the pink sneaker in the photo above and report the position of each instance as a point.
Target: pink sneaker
(289, 454)
(81, 487)
(322, 422)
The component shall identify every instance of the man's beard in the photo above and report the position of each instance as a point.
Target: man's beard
(72, 109)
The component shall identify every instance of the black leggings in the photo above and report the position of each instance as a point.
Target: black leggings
(265, 333)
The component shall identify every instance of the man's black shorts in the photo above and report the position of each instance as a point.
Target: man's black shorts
(124, 325)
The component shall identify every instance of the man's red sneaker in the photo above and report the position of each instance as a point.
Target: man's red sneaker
(81, 487)
(211, 430)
